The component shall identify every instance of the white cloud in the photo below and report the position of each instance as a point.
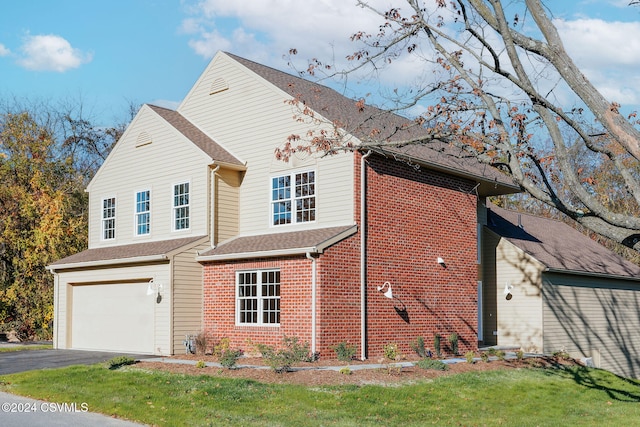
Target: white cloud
(607, 52)
(50, 53)
(3, 50)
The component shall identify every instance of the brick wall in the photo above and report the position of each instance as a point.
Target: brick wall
(414, 217)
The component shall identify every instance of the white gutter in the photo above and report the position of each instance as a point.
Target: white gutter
(363, 257)
(313, 302)
(212, 217)
(103, 262)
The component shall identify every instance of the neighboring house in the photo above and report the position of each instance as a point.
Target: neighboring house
(196, 226)
(549, 288)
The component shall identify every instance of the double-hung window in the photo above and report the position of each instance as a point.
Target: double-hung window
(181, 206)
(143, 213)
(293, 198)
(258, 297)
(109, 218)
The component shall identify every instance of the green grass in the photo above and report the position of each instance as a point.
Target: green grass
(526, 397)
(26, 347)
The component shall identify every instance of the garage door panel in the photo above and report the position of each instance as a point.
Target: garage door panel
(113, 317)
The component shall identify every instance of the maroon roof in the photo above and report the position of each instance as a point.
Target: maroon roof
(288, 241)
(557, 245)
(195, 135)
(369, 123)
(123, 252)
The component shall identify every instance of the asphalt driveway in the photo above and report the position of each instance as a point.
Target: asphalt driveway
(29, 360)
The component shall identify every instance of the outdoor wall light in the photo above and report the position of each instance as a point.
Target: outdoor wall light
(507, 291)
(152, 288)
(389, 292)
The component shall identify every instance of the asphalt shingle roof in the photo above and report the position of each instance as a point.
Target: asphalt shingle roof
(266, 243)
(557, 245)
(124, 252)
(195, 135)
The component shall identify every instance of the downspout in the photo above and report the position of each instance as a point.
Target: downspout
(313, 302)
(363, 257)
(212, 217)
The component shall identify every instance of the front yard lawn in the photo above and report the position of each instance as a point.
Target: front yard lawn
(575, 396)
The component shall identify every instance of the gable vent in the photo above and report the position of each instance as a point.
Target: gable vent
(143, 139)
(218, 85)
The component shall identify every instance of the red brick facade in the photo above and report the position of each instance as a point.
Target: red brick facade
(413, 217)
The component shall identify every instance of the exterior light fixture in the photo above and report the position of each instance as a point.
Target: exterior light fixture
(441, 262)
(388, 293)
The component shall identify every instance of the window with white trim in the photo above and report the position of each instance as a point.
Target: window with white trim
(109, 218)
(143, 212)
(293, 198)
(258, 297)
(181, 206)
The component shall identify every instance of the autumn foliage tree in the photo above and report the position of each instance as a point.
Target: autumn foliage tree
(47, 156)
(494, 75)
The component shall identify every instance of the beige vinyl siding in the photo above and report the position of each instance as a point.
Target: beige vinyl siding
(251, 119)
(228, 205)
(157, 166)
(131, 274)
(187, 296)
(518, 320)
(594, 317)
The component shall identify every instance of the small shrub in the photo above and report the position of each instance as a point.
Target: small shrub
(453, 341)
(223, 345)
(492, 351)
(500, 354)
(437, 345)
(436, 365)
(201, 343)
(561, 354)
(419, 348)
(229, 358)
(469, 356)
(119, 361)
(345, 351)
(391, 351)
(200, 364)
(345, 371)
(484, 356)
(520, 354)
(281, 360)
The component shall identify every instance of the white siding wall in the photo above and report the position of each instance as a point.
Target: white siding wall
(251, 120)
(594, 317)
(520, 318)
(168, 160)
(64, 303)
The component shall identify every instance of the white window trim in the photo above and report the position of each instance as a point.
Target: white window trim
(102, 218)
(135, 213)
(173, 207)
(292, 175)
(259, 272)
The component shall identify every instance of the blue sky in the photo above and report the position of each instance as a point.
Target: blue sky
(107, 54)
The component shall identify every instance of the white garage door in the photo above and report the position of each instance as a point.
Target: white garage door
(112, 317)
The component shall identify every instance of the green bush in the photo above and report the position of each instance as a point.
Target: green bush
(484, 356)
(469, 356)
(200, 364)
(391, 351)
(119, 361)
(437, 345)
(281, 360)
(419, 348)
(453, 341)
(520, 354)
(229, 358)
(345, 351)
(345, 371)
(223, 345)
(436, 365)
(500, 354)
